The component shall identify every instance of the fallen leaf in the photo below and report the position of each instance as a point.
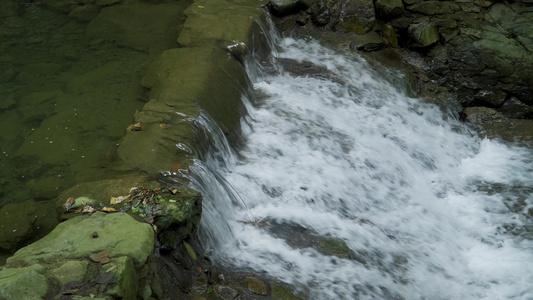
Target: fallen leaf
(176, 166)
(190, 250)
(100, 257)
(135, 127)
(68, 204)
(117, 200)
(108, 209)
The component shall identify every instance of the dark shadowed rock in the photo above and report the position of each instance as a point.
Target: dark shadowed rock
(356, 16)
(286, 7)
(434, 7)
(388, 9)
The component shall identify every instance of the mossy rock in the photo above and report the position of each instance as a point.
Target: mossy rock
(220, 20)
(204, 76)
(126, 279)
(178, 209)
(22, 283)
(71, 270)
(281, 291)
(118, 233)
(333, 246)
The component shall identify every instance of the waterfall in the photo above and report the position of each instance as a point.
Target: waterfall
(346, 188)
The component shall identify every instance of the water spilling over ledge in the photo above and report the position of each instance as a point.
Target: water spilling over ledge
(315, 172)
(347, 188)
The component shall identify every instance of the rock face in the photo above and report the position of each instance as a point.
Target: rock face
(480, 50)
(389, 9)
(423, 33)
(355, 16)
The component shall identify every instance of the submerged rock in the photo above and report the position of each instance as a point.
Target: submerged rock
(257, 286)
(22, 222)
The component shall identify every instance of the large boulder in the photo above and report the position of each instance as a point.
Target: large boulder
(117, 233)
(100, 255)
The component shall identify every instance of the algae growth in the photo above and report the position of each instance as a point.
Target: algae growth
(70, 85)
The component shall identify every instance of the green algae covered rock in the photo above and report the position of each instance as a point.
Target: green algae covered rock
(221, 20)
(18, 221)
(178, 217)
(333, 246)
(126, 279)
(185, 78)
(178, 209)
(22, 283)
(117, 233)
(72, 270)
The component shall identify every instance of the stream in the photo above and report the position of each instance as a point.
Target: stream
(346, 188)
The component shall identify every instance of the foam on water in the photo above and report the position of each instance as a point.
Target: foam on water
(416, 197)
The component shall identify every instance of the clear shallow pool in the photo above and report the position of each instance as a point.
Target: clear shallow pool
(69, 87)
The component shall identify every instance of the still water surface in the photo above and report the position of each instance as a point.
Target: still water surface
(70, 87)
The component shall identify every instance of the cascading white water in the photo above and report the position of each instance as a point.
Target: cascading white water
(416, 200)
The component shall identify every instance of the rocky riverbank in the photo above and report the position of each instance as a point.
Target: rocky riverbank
(134, 233)
(478, 51)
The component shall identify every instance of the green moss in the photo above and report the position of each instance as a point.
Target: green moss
(333, 246)
(126, 279)
(22, 283)
(118, 233)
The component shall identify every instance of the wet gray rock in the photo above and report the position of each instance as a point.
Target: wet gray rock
(368, 42)
(355, 16)
(423, 33)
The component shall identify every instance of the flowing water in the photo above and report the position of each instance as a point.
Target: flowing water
(348, 189)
